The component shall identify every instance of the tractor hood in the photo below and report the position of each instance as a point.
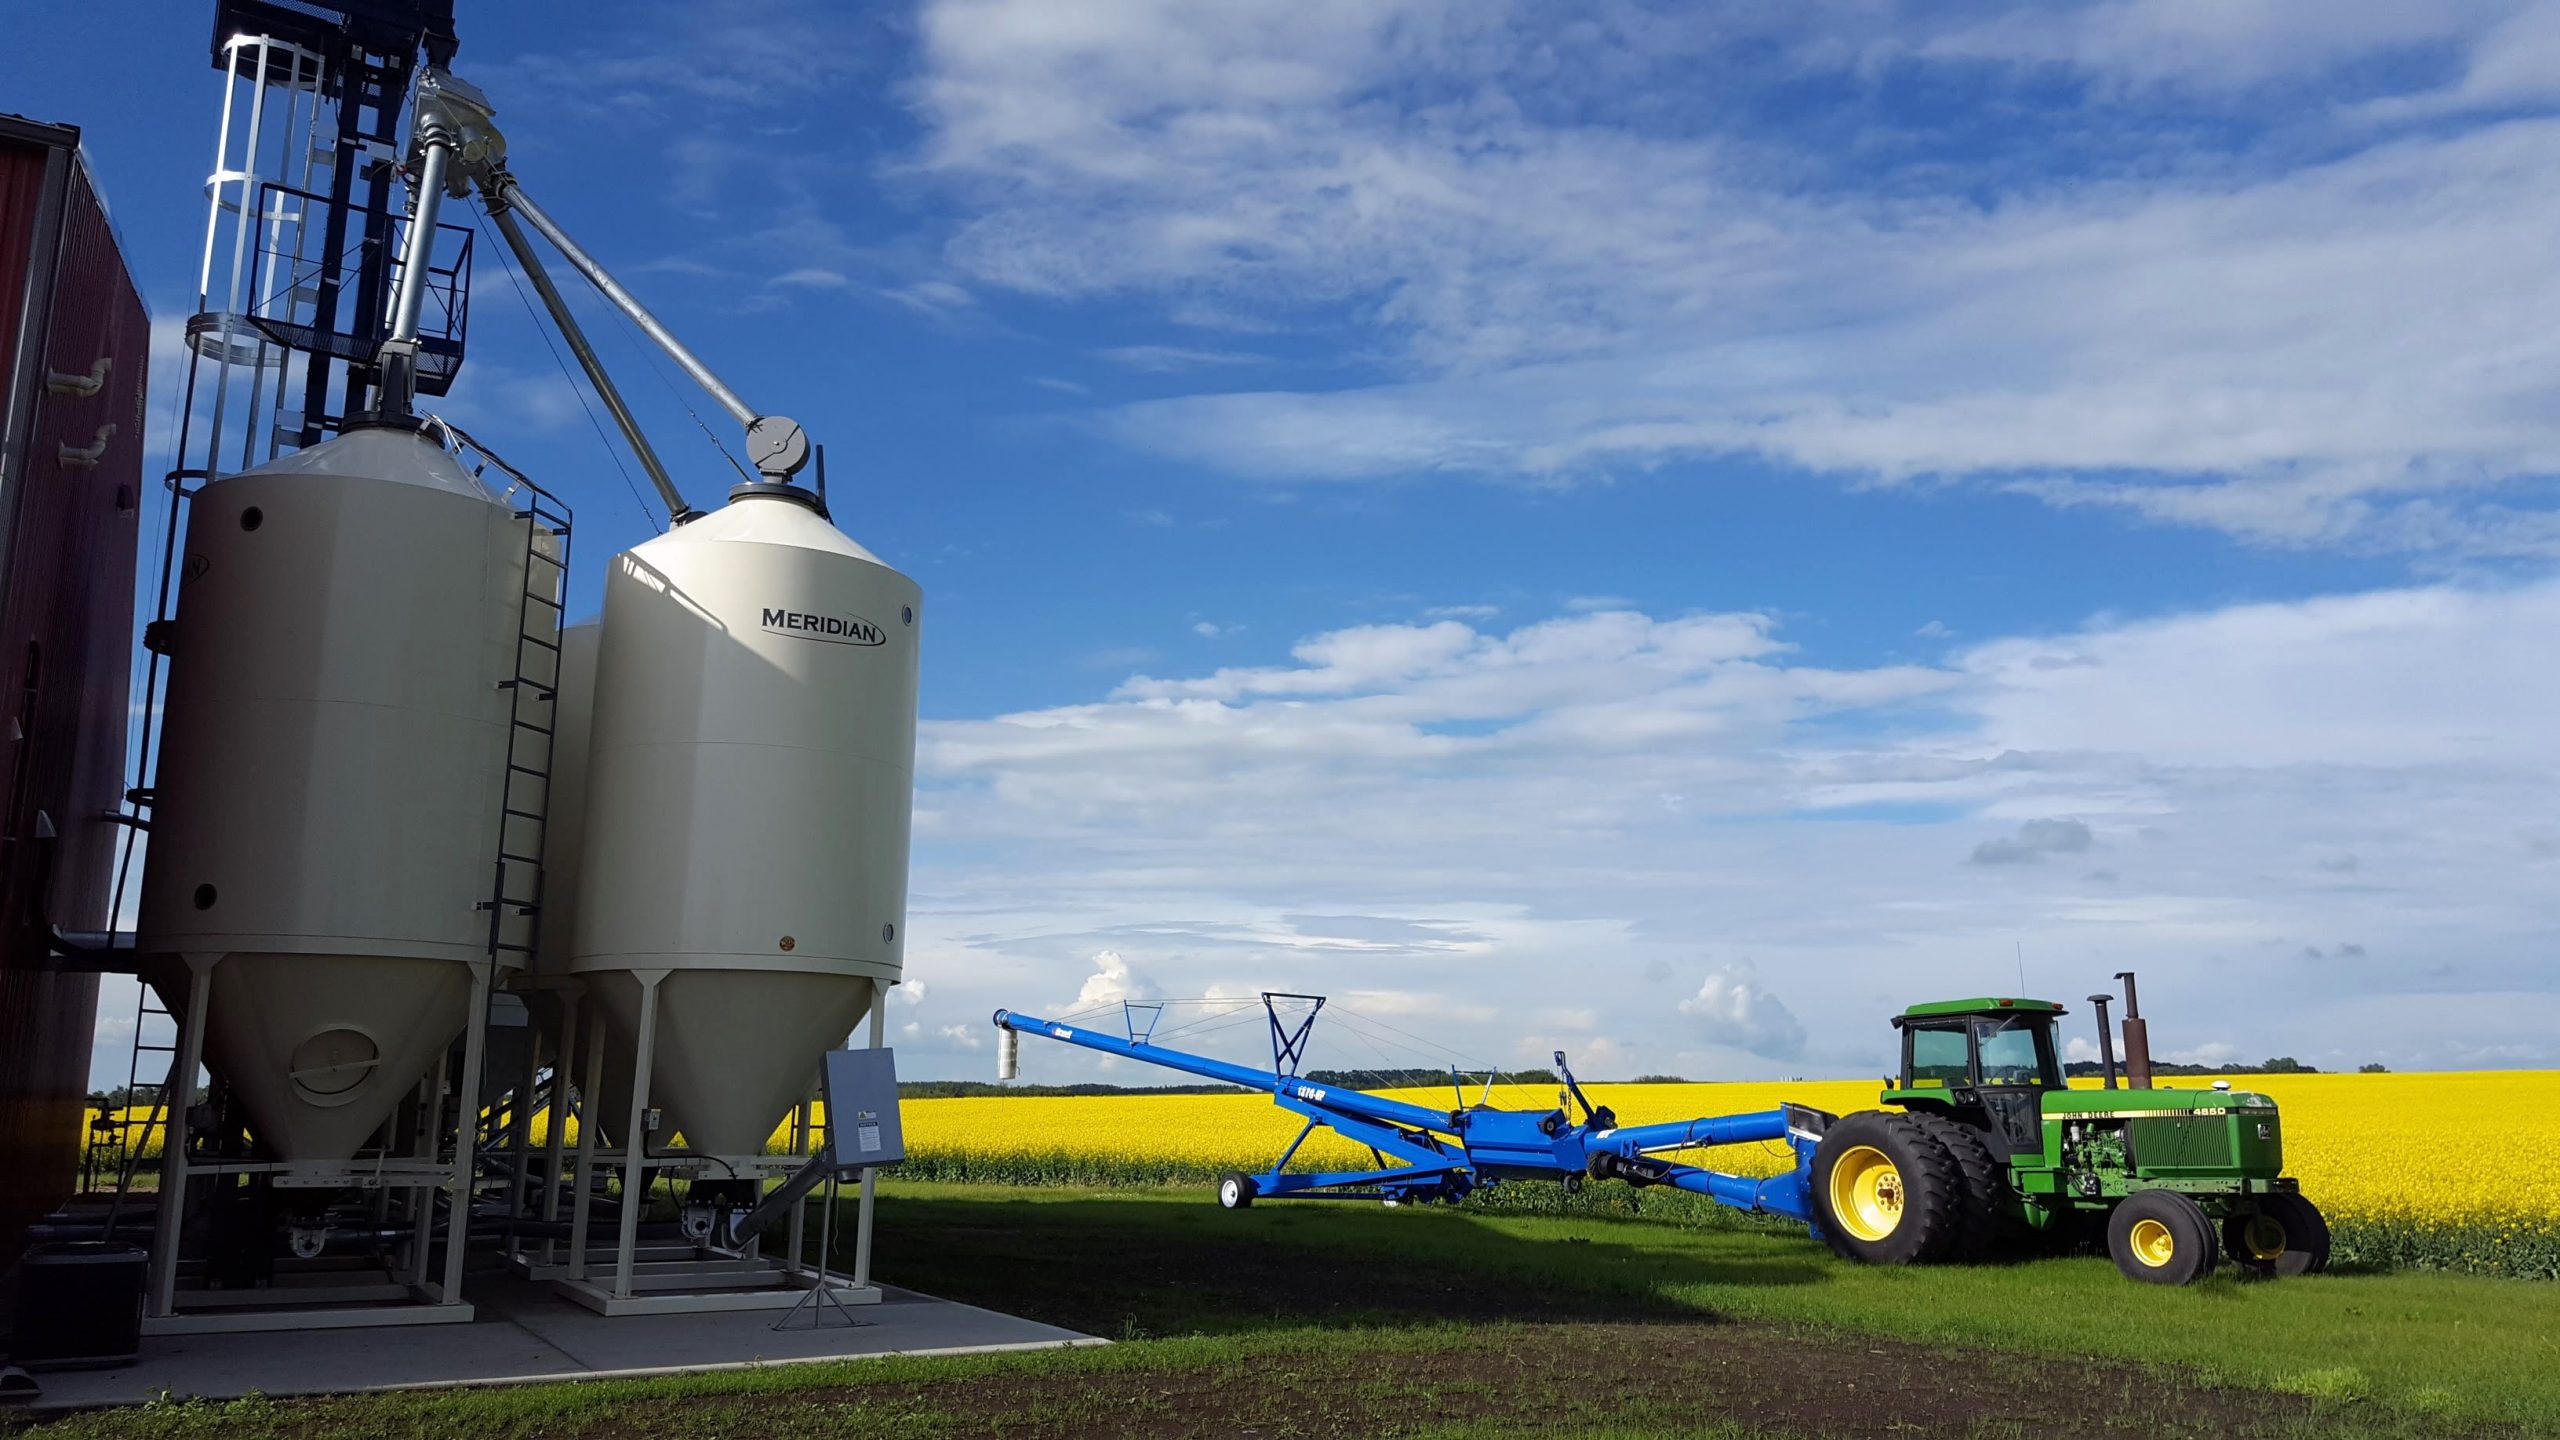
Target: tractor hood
(2104, 1104)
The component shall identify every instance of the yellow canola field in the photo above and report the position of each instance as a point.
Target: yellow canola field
(2421, 1151)
(2438, 1170)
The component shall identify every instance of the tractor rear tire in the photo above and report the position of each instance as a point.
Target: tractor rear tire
(1885, 1192)
(2163, 1238)
(1236, 1190)
(1988, 1229)
(2287, 1236)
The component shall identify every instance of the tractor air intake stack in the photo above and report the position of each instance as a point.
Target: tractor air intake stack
(2106, 1040)
(2137, 1038)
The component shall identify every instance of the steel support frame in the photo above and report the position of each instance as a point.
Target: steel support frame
(708, 1281)
(1428, 1163)
(432, 1299)
(539, 1259)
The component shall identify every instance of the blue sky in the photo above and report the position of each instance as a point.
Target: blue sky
(1659, 530)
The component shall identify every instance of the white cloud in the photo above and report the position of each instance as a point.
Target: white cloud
(1111, 983)
(931, 297)
(491, 399)
(2212, 1052)
(2035, 840)
(673, 60)
(2342, 342)
(1733, 1008)
(2389, 678)
(1468, 816)
(2208, 44)
(812, 277)
(2513, 64)
(1166, 359)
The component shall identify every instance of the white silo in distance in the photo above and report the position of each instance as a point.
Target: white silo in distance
(749, 788)
(331, 778)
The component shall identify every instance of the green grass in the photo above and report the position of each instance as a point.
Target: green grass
(1354, 1320)
(2457, 1347)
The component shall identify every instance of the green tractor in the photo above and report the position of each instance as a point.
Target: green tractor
(1987, 1154)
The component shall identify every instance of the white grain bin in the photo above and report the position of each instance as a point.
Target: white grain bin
(564, 840)
(749, 786)
(562, 856)
(330, 778)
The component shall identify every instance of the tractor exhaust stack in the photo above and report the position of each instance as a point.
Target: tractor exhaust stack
(2137, 1038)
(2106, 1039)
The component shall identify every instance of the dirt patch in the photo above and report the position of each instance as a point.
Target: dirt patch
(1173, 1284)
(1527, 1378)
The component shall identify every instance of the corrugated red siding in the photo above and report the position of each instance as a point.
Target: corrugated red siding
(66, 628)
(21, 191)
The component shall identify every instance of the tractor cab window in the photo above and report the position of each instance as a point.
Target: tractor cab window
(2017, 1050)
(1936, 1055)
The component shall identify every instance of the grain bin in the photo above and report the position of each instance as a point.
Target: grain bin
(742, 877)
(330, 784)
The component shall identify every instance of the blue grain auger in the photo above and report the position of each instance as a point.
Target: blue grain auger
(1428, 1155)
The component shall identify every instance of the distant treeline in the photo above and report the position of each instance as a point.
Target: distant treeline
(2280, 1065)
(1423, 1079)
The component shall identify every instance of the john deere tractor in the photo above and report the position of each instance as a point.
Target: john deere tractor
(1985, 1153)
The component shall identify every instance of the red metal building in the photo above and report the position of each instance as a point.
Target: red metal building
(75, 348)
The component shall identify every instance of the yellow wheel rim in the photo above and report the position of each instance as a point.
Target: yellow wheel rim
(2152, 1242)
(1866, 1193)
(2264, 1238)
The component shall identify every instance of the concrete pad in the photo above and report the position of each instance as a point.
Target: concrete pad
(524, 1333)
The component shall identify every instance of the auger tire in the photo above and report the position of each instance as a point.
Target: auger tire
(2162, 1238)
(1885, 1191)
(1236, 1190)
(2286, 1236)
(1986, 1230)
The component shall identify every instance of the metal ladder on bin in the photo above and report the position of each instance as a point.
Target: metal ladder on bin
(516, 886)
(533, 691)
(135, 1137)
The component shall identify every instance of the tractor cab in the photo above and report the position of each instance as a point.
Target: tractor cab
(1987, 1062)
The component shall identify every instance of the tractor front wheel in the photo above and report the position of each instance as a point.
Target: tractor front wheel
(2286, 1236)
(2162, 1237)
(1885, 1191)
(1236, 1190)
